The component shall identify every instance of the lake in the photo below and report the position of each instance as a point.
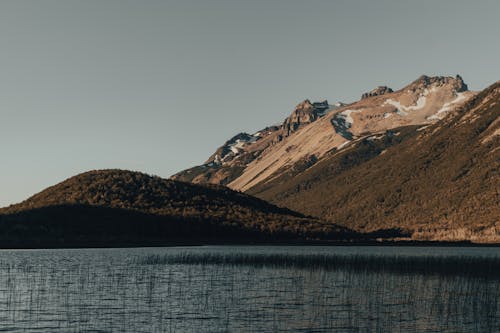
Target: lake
(251, 289)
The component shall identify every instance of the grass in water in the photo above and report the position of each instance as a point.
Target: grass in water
(488, 267)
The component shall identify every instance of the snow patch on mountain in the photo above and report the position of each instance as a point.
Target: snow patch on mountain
(420, 104)
(404, 109)
(237, 146)
(447, 107)
(233, 148)
(343, 121)
(347, 117)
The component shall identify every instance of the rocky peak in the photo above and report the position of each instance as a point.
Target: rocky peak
(425, 81)
(304, 106)
(380, 90)
(307, 107)
(460, 84)
(304, 113)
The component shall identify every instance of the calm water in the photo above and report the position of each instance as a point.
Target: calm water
(120, 290)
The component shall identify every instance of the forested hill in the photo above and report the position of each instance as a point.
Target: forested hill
(107, 207)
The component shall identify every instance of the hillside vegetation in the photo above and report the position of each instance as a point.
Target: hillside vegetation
(117, 206)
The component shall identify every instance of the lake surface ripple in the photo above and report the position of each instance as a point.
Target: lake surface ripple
(251, 289)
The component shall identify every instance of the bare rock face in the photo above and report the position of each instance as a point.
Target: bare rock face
(380, 90)
(460, 84)
(303, 114)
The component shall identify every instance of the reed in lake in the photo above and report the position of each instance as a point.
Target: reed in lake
(488, 267)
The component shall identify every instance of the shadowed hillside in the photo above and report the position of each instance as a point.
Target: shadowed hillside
(109, 207)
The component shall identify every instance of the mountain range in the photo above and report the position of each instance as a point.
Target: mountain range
(418, 163)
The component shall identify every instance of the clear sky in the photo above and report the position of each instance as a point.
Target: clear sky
(157, 86)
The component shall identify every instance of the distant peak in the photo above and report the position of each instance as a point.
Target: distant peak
(460, 82)
(304, 113)
(380, 90)
(305, 105)
(425, 81)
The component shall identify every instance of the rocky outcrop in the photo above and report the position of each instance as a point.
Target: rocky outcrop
(303, 114)
(380, 90)
(425, 81)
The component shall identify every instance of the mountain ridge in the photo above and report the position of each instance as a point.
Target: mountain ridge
(228, 161)
(309, 134)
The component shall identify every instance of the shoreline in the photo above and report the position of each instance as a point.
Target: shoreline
(184, 243)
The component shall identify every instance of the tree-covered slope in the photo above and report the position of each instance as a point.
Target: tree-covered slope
(131, 207)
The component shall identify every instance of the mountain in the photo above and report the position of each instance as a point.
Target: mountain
(423, 160)
(437, 182)
(315, 129)
(230, 160)
(110, 207)
(422, 102)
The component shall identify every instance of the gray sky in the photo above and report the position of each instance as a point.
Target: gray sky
(157, 86)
